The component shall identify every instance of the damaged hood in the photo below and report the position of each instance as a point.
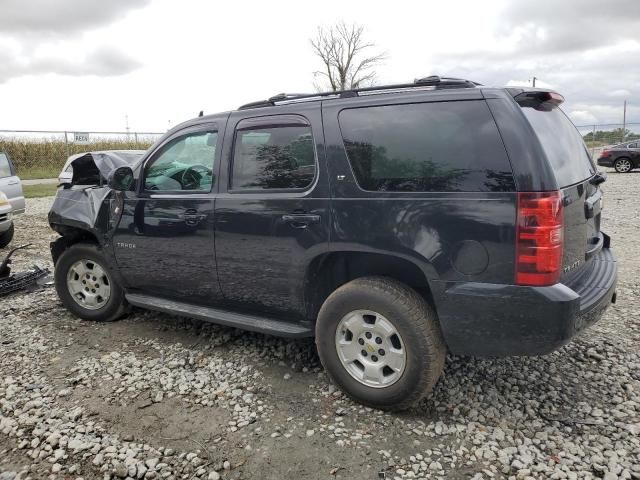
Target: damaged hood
(92, 168)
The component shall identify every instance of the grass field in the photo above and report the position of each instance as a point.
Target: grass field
(36, 191)
(39, 172)
(44, 158)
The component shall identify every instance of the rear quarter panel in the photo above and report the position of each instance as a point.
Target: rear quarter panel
(451, 236)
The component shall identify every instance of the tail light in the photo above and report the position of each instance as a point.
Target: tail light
(605, 153)
(539, 238)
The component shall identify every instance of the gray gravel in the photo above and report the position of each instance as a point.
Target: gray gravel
(155, 396)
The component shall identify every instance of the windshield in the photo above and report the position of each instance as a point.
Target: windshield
(562, 144)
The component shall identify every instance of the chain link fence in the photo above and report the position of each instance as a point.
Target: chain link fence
(42, 154)
(601, 135)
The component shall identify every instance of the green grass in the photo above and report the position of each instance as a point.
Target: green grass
(39, 172)
(36, 191)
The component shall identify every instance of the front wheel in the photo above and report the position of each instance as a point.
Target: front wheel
(380, 342)
(86, 287)
(622, 165)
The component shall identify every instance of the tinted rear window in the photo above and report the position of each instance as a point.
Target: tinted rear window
(562, 144)
(426, 147)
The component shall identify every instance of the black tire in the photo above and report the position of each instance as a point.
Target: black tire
(618, 165)
(114, 307)
(6, 237)
(413, 319)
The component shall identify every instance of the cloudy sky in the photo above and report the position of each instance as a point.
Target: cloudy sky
(84, 65)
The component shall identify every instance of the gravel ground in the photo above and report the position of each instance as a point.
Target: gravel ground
(155, 396)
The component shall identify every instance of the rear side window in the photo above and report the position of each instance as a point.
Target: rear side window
(273, 158)
(426, 147)
(562, 144)
(5, 167)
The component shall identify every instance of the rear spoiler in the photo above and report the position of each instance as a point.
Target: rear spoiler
(538, 98)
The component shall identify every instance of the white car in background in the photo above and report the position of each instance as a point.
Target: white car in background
(65, 177)
(11, 199)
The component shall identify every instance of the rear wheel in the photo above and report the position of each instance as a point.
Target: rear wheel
(623, 165)
(85, 285)
(380, 342)
(6, 237)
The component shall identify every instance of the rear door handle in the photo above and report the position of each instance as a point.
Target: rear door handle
(301, 220)
(15, 182)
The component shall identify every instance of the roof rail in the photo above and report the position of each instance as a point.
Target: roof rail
(432, 81)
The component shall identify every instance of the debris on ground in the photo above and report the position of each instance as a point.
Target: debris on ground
(10, 283)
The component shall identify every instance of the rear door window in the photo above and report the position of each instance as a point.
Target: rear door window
(279, 157)
(562, 144)
(426, 147)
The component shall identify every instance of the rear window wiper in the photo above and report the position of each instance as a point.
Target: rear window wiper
(598, 178)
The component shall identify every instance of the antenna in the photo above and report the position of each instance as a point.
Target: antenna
(201, 113)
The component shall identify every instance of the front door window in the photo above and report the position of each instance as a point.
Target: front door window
(185, 163)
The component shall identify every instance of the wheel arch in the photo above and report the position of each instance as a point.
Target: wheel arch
(329, 271)
(69, 236)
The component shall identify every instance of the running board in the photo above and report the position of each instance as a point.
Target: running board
(231, 319)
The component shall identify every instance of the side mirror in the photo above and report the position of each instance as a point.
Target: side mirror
(121, 178)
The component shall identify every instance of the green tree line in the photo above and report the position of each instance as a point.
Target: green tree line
(606, 137)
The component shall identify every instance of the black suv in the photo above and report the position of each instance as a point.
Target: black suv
(624, 157)
(392, 223)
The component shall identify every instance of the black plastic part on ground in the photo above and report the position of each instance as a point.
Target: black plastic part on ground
(22, 280)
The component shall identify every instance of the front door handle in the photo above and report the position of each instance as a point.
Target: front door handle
(301, 220)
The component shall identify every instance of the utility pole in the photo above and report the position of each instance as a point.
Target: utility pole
(624, 120)
(126, 119)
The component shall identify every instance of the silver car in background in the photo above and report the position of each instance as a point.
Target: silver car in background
(11, 198)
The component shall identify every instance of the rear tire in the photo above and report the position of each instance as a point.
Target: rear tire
(6, 237)
(86, 286)
(623, 165)
(374, 308)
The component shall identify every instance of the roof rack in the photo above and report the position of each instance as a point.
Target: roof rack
(433, 81)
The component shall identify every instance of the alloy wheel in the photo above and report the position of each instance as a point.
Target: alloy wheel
(370, 348)
(88, 284)
(623, 165)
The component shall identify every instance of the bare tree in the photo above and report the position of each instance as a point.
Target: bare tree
(345, 55)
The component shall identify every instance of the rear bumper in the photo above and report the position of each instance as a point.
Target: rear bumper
(493, 320)
(605, 161)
